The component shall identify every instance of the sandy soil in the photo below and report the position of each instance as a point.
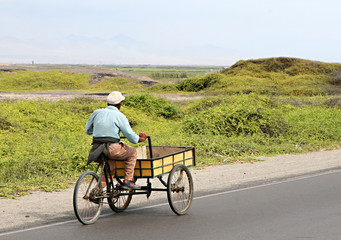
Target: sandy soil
(44, 208)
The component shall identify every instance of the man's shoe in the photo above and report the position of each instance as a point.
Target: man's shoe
(129, 185)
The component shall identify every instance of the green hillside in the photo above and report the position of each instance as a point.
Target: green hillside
(271, 76)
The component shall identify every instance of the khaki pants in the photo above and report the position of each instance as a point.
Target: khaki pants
(122, 152)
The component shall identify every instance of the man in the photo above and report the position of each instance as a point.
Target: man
(105, 126)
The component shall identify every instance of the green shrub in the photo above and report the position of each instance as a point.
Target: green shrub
(203, 104)
(5, 124)
(116, 84)
(152, 105)
(248, 115)
(199, 83)
(41, 144)
(333, 102)
(334, 78)
(163, 87)
(314, 125)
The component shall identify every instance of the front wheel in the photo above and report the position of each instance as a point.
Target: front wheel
(87, 200)
(180, 189)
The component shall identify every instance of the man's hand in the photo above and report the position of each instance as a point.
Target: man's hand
(142, 136)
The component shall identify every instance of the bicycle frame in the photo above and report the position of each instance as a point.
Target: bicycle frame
(109, 181)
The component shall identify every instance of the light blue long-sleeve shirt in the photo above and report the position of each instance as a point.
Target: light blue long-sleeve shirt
(109, 122)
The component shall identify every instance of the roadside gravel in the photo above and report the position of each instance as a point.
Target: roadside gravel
(41, 208)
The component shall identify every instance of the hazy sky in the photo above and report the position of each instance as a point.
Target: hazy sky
(209, 32)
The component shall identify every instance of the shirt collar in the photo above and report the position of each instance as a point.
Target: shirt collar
(112, 108)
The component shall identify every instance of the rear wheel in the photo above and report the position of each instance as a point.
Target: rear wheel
(180, 189)
(118, 203)
(87, 200)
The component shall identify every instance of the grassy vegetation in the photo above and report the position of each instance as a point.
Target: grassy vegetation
(125, 85)
(166, 74)
(272, 77)
(249, 110)
(34, 81)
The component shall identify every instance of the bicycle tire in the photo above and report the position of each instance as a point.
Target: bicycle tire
(180, 189)
(86, 209)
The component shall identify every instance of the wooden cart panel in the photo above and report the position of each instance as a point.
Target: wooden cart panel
(163, 161)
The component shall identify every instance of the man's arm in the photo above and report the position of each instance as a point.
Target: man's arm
(125, 128)
(89, 127)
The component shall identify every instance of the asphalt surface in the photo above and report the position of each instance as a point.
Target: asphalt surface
(303, 208)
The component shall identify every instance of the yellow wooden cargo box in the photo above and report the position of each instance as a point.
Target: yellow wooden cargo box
(162, 161)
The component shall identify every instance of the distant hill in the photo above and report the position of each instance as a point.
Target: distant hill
(283, 76)
(271, 76)
(291, 66)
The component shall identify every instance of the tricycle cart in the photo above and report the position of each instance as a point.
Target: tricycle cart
(152, 162)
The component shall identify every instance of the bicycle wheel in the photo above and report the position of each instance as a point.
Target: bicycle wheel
(119, 203)
(87, 201)
(180, 189)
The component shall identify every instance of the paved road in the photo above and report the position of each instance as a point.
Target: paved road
(303, 208)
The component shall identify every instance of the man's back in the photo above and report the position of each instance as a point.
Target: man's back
(109, 122)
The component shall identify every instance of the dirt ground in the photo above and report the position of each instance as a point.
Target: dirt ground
(41, 208)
